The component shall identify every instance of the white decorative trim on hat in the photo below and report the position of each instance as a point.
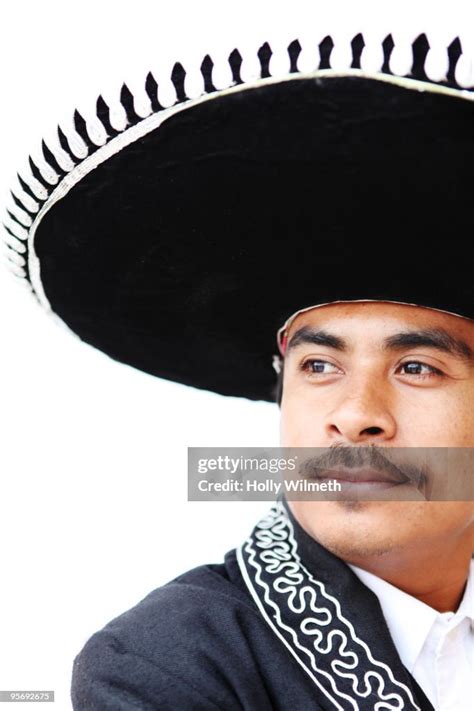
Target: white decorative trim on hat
(319, 636)
(132, 111)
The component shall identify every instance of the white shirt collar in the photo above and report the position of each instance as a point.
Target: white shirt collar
(409, 620)
(466, 608)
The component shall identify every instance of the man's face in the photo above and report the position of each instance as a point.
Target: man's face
(365, 374)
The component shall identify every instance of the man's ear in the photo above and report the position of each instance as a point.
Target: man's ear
(277, 364)
(278, 368)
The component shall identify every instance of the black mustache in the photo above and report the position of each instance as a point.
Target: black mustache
(354, 457)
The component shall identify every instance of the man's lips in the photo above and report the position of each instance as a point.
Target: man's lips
(362, 477)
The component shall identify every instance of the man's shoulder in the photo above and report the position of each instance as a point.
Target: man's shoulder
(189, 602)
(170, 640)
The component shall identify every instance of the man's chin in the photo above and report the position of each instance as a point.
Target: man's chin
(353, 530)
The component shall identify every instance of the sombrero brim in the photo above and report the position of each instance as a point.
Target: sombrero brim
(181, 250)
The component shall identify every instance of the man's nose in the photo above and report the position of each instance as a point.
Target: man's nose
(363, 414)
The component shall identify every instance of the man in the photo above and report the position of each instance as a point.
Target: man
(337, 199)
(289, 625)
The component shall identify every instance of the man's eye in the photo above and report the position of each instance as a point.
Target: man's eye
(416, 368)
(320, 367)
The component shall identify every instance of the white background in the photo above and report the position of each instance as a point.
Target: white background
(93, 511)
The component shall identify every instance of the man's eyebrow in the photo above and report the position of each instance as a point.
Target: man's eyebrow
(316, 337)
(430, 338)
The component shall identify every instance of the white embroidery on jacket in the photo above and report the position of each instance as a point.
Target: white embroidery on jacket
(271, 550)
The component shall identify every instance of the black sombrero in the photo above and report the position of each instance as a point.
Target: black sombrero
(180, 241)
